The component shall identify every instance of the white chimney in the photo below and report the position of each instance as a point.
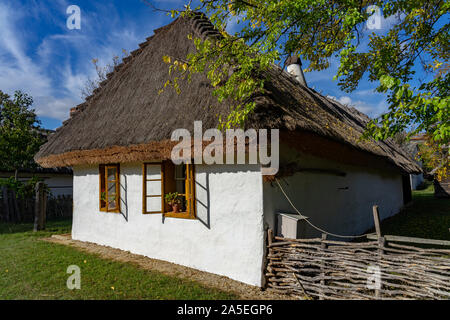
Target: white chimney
(294, 67)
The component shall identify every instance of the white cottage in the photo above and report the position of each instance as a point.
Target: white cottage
(118, 144)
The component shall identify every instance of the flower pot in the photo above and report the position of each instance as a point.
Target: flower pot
(176, 208)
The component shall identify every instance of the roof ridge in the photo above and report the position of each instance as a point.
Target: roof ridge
(203, 26)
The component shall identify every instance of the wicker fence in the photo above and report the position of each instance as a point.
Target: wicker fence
(380, 269)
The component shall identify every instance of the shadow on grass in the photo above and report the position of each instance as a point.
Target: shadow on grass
(52, 226)
(426, 217)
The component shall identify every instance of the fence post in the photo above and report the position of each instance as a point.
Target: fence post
(323, 246)
(381, 244)
(40, 207)
(5, 203)
(267, 259)
(376, 220)
(269, 236)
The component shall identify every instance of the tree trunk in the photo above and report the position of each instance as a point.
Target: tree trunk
(40, 207)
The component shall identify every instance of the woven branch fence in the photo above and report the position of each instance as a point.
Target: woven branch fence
(325, 269)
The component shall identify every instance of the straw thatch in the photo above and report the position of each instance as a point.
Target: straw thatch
(127, 120)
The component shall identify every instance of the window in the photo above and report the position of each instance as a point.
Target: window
(109, 188)
(160, 179)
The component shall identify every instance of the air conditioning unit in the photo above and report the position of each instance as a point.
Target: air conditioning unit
(290, 225)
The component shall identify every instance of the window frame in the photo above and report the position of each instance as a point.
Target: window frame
(144, 187)
(190, 213)
(103, 179)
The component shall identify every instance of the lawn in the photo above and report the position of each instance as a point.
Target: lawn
(426, 217)
(35, 269)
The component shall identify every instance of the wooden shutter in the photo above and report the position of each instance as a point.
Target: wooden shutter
(153, 188)
(190, 190)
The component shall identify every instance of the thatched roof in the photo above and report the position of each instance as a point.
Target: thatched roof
(127, 120)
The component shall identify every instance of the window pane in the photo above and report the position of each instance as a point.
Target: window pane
(153, 171)
(112, 173)
(183, 207)
(180, 178)
(154, 204)
(111, 188)
(180, 186)
(112, 202)
(180, 171)
(153, 188)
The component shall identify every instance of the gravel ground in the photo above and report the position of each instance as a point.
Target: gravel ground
(244, 291)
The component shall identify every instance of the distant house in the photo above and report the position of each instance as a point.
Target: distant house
(118, 144)
(59, 180)
(412, 148)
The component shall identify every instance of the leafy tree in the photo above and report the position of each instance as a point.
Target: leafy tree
(434, 158)
(20, 134)
(318, 30)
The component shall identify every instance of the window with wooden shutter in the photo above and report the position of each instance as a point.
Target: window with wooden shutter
(109, 188)
(172, 178)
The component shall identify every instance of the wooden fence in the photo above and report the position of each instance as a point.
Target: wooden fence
(374, 269)
(24, 210)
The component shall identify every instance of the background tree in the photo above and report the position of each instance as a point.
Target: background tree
(318, 30)
(20, 133)
(434, 158)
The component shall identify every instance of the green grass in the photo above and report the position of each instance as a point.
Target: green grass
(426, 217)
(34, 269)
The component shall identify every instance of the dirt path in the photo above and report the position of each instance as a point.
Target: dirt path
(244, 291)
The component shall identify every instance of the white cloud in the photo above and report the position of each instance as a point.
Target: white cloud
(19, 71)
(371, 109)
(55, 70)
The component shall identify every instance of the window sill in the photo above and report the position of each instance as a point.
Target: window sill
(111, 211)
(179, 215)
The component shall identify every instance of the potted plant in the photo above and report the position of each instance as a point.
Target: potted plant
(112, 200)
(173, 200)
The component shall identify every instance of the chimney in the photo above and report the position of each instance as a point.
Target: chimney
(73, 111)
(294, 67)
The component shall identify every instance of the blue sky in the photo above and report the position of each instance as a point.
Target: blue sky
(42, 57)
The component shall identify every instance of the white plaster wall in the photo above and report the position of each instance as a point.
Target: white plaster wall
(226, 239)
(337, 204)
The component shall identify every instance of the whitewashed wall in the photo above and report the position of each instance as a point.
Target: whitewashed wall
(226, 239)
(341, 205)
